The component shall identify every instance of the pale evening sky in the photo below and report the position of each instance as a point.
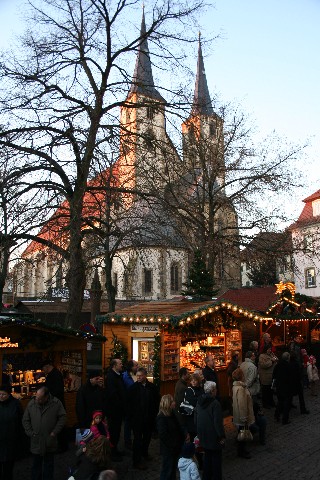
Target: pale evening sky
(267, 59)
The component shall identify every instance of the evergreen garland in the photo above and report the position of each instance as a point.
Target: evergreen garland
(118, 350)
(200, 282)
(157, 360)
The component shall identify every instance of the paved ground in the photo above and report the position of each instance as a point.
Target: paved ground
(292, 452)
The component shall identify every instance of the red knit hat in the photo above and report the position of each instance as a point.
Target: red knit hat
(96, 414)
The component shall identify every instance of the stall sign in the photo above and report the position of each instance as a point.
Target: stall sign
(6, 342)
(145, 328)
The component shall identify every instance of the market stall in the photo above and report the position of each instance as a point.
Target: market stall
(25, 343)
(165, 336)
(293, 315)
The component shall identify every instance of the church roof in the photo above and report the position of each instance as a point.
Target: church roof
(151, 226)
(201, 100)
(142, 80)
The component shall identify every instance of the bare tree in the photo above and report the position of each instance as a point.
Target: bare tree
(63, 90)
(228, 188)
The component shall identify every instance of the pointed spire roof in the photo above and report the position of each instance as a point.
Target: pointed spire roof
(201, 100)
(142, 80)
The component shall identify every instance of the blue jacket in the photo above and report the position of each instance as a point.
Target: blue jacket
(127, 379)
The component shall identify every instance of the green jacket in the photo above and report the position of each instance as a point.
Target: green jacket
(40, 421)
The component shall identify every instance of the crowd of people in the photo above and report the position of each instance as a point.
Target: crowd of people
(189, 425)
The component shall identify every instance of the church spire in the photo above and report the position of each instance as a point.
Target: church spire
(142, 80)
(201, 99)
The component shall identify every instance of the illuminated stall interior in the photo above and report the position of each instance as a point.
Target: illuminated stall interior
(185, 332)
(25, 343)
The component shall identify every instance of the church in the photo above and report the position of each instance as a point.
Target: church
(181, 204)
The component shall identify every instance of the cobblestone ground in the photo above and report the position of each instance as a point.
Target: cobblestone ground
(291, 452)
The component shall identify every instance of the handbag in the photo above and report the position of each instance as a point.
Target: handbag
(244, 434)
(185, 407)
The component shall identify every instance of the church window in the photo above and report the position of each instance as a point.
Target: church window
(212, 129)
(150, 113)
(310, 277)
(147, 281)
(174, 278)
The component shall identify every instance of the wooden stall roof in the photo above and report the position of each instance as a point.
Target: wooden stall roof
(174, 312)
(14, 322)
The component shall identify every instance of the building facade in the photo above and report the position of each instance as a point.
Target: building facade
(152, 260)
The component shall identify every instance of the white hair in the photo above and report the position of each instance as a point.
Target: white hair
(209, 386)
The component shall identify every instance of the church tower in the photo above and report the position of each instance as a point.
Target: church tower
(144, 144)
(203, 154)
(203, 144)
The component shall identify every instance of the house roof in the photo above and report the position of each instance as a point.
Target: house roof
(257, 299)
(306, 216)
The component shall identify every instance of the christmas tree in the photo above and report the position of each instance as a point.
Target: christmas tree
(200, 282)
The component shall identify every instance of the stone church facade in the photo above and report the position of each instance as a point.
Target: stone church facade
(153, 261)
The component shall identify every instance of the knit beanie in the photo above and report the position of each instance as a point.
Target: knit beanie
(96, 414)
(86, 436)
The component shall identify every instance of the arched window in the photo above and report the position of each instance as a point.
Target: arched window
(175, 278)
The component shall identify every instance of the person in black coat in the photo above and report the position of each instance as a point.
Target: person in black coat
(209, 372)
(116, 400)
(54, 380)
(171, 436)
(282, 376)
(143, 404)
(209, 425)
(55, 383)
(90, 397)
(11, 432)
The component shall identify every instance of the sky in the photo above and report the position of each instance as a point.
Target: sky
(266, 58)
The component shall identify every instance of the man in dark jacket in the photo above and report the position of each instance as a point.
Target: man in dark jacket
(116, 399)
(180, 390)
(90, 397)
(284, 388)
(143, 405)
(54, 380)
(42, 420)
(210, 373)
(209, 425)
(11, 432)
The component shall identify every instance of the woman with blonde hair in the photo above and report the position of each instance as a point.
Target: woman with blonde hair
(171, 437)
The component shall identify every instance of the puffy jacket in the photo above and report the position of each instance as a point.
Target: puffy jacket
(312, 371)
(188, 469)
(40, 421)
(242, 405)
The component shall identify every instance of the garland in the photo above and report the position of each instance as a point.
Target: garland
(157, 360)
(118, 350)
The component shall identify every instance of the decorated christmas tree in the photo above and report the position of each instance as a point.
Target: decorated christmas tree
(200, 282)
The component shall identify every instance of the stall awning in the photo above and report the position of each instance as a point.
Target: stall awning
(175, 313)
(14, 322)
